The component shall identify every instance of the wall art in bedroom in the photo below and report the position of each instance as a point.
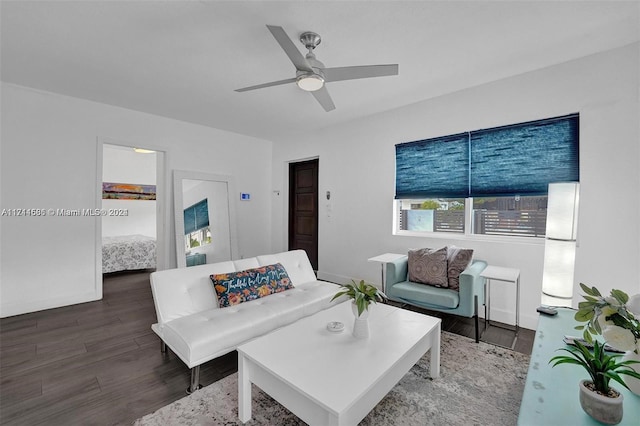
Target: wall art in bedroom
(127, 191)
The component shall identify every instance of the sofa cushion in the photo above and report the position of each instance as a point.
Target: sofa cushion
(428, 266)
(202, 336)
(425, 295)
(457, 261)
(296, 262)
(242, 286)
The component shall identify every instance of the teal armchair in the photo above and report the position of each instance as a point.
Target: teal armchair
(463, 302)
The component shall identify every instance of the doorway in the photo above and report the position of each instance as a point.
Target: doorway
(139, 216)
(303, 208)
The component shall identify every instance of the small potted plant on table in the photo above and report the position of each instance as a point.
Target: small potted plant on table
(362, 295)
(597, 398)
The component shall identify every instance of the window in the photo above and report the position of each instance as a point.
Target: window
(196, 225)
(491, 181)
(197, 238)
(517, 216)
(431, 215)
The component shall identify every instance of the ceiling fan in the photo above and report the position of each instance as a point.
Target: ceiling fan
(311, 74)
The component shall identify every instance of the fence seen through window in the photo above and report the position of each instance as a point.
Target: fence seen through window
(514, 216)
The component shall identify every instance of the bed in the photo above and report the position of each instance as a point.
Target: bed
(127, 253)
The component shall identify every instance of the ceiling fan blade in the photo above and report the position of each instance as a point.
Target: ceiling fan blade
(322, 96)
(299, 61)
(261, 86)
(365, 71)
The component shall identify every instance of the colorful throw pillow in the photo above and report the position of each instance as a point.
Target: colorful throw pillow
(242, 286)
(428, 266)
(458, 260)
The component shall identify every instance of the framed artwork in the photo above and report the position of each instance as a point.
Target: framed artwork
(127, 191)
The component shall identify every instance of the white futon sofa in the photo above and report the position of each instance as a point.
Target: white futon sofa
(197, 330)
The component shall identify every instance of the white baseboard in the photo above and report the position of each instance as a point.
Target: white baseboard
(333, 278)
(508, 317)
(9, 310)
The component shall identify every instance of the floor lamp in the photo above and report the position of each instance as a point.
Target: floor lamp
(560, 243)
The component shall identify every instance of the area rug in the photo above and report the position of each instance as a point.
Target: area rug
(479, 384)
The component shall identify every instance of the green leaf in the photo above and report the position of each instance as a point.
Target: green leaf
(564, 360)
(586, 336)
(595, 292)
(631, 373)
(620, 296)
(586, 289)
(597, 351)
(338, 294)
(613, 375)
(583, 316)
(579, 327)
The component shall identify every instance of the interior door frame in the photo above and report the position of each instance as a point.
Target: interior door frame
(163, 254)
(289, 206)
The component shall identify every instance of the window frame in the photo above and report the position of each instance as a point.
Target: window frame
(468, 235)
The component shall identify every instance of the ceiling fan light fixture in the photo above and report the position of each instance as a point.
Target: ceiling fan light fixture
(310, 82)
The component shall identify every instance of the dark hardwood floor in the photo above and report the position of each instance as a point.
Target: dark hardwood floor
(99, 363)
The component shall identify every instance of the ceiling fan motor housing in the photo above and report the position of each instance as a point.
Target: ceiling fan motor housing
(310, 39)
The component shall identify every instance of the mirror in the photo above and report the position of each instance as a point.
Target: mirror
(204, 218)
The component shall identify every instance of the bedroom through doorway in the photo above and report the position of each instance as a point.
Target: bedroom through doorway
(129, 209)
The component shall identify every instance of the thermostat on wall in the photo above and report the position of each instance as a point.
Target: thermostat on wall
(245, 196)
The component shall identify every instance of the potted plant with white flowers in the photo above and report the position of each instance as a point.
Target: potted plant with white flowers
(617, 318)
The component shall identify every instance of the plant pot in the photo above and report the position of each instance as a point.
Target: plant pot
(602, 408)
(364, 315)
(360, 323)
(632, 382)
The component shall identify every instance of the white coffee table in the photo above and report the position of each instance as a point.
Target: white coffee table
(328, 378)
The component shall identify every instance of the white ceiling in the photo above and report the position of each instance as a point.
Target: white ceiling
(183, 59)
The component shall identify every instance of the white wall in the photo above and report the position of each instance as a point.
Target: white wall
(357, 164)
(49, 160)
(124, 165)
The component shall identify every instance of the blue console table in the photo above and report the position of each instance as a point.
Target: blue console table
(551, 394)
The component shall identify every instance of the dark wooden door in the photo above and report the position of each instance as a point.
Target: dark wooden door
(303, 208)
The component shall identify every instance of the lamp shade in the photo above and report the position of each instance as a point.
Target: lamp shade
(560, 244)
(562, 211)
(559, 260)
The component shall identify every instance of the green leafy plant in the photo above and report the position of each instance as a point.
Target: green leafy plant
(363, 294)
(601, 366)
(615, 317)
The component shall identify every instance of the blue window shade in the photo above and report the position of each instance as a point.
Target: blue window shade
(196, 217)
(523, 159)
(520, 159)
(437, 167)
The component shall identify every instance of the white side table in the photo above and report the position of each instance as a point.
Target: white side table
(510, 275)
(384, 259)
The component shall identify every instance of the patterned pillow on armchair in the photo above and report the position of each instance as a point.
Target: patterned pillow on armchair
(457, 261)
(428, 266)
